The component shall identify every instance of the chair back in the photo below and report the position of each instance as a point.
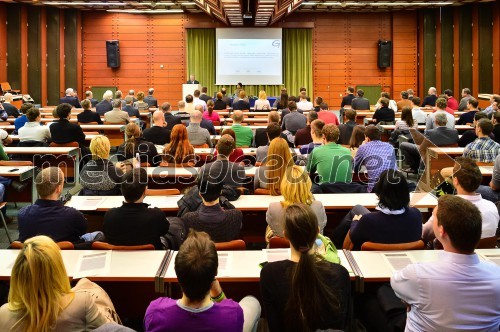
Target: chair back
(15, 163)
(262, 191)
(478, 163)
(454, 145)
(372, 246)
(231, 245)
(487, 243)
(202, 146)
(64, 145)
(278, 242)
(88, 123)
(216, 123)
(162, 192)
(97, 245)
(167, 164)
(63, 245)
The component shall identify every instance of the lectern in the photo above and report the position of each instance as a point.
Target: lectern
(188, 89)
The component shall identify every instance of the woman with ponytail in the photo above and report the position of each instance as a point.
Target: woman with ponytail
(134, 143)
(210, 114)
(304, 293)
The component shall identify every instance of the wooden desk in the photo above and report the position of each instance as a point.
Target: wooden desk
(422, 127)
(438, 158)
(87, 137)
(211, 151)
(22, 173)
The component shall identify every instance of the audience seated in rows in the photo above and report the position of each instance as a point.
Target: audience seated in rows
(282, 103)
(189, 105)
(431, 98)
(131, 93)
(294, 120)
(88, 115)
(152, 101)
(70, 98)
(271, 131)
(179, 150)
(494, 105)
(483, 149)
(262, 104)
(317, 104)
(304, 104)
(197, 135)
(348, 98)
(62, 131)
(99, 176)
(459, 290)
(222, 225)
(468, 116)
(228, 173)
(210, 114)
(406, 121)
(384, 113)
(470, 136)
(203, 305)
(303, 135)
(10, 109)
(296, 188)
(360, 102)
(404, 102)
(219, 104)
(466, 179)
(22, 119)
(419, 116)
(242, 103)
(357, 138)
(316, 129)
(261, 138)
(170, 119)
(206, 124)
(48, 216)
(270, 174)
(375, 155)
(90, 97)
(347, 127)
(136, 144)
(129, 108)
(158, 133)
(452, 103)
(331, 161)
(466, 95)
(119, 96)
(491, 192)
(225, 98)
(440, 108)
(393, 222)
(305, 292)
(197, 101)
(390, 102)
(140, 104)
(134, 223)
(204, 94)
(327, 116)
(33, 131)
(237, 155)
(244, 135)
(56, 307)
(106, 104)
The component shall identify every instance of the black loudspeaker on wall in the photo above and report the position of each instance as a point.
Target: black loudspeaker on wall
(113, 53)
(384, 53)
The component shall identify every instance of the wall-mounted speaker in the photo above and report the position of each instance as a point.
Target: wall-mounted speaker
(113, 53)
(384, 53)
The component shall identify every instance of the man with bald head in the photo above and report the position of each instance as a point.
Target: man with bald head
(158, 134)
(196, 134)
(430, 100)
(207, 124)
(70, 99)
(8, 107)
(244, 135)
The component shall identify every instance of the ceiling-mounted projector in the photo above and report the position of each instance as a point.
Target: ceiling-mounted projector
(247, 15)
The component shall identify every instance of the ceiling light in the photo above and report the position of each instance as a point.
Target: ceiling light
(146, 11)
(84, 3)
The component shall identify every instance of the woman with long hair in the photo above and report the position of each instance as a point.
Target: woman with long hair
(40, 297)
(283, 104)
(357, 138)
(262, 104)
(406, 121)
(296, 188)
(210, 114)
(179, 150)
(140, 104)
(305, 292)
(270, 174)
(135, 143)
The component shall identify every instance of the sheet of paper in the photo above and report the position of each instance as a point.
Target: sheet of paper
(91, 203)
(494, 258)
(225, 261)
(92, 264)
(274, 255)
(398, 261)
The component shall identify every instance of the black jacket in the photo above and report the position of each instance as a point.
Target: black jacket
(157, 135)
(131, 111)
(62, 131)
(11, 110)
(73, 101)
(89, 116)
(103, 107)
(152, 101)
(172, 120)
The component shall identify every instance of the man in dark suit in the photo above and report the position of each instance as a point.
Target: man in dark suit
(171, 119)
(150, 100)
(105, 105)
(130, 109)
(70, 99)
(347, 99)
(203, 95)
(347, 128)
(439, 136)
(360, 103)
(10, 109)
(225, 98)
(430, 100)
(90, 96)
(157, 134)
(192, 80)
(62, 131)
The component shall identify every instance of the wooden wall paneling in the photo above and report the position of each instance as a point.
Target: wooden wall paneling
(420, 58)
(53, 58)
(24, 48)
(438, 51)
(475, 51)
(496, 47)
(79, 55)
(446, 49)
(404, 61)
(486, 41)
(465, 28)
(456, 53)
(62, 56)
(43, 56)
(34, 80)
(429, 49)
(14, 46)
(71, 50)
(3, 42)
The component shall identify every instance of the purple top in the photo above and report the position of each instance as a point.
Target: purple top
(165, 314)
(377, 157)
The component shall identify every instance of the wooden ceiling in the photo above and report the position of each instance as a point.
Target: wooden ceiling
(257, 12)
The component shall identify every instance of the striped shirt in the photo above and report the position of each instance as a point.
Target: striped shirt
(377, 157)
(483, 150)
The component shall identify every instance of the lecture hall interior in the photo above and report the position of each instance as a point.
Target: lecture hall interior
(282, 128)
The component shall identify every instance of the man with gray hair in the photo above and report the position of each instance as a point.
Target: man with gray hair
(8, 107)
(466, 95)
(171, 119)
(198, 136)
(152, 101)
(117, 115)
(105, 105)
(90, 96)
(70, 99)
(157, 134)
(132, 94)
(119, 95)
(441, 105)
(430, 100)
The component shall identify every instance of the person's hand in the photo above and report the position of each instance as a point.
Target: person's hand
(215, 289)
(357, 217)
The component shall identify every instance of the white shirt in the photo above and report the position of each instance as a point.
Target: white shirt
(419, 116)
(32, 131)
(260, 104)
(305, 105)
(455, 293)
(3, 135)
(198, 101)
(489, 215)
(430, 122)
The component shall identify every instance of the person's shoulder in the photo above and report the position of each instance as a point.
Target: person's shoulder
(160, 304)
(271, 270)
(317, 204)
(233, 213)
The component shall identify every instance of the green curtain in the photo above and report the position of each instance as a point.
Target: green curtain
(297, 62)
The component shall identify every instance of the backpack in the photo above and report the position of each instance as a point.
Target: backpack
(191, 201)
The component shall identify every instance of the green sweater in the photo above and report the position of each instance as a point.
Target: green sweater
(244, 135)
(332, 162)
(3, 155)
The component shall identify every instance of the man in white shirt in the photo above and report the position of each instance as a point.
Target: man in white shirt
(459, 291)
(32, 131)
(303, 104)
(198, 101)
(419, 116)
(441, 104)
(466, 179)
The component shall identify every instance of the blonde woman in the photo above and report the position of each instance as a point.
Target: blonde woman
(40, 297)
(140, 104)
(99, 177)
(296, 188)
(270, 174)
(262, 104)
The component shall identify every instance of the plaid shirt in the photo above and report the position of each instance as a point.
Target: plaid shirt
(377, 157)
(483, 150)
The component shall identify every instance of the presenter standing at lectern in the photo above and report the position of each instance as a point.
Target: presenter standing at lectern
(192, 80)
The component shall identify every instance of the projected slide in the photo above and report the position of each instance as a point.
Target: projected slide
(250, 59)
